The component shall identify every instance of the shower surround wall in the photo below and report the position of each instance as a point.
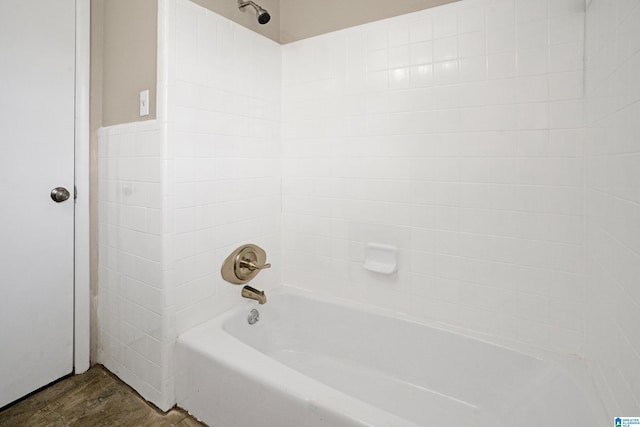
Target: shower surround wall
(454, 134)
(612, 152)
(180, 193)
(224, 156)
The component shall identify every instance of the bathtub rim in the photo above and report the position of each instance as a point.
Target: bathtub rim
(575, 366)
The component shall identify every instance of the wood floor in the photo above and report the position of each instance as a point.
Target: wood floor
(95, 398)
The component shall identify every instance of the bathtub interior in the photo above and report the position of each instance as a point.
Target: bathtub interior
(421, 374)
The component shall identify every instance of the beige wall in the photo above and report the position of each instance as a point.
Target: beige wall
(229, 9)
(301, 19)
(293, 20)
(129, 59)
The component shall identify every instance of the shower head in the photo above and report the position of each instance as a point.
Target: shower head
(262, 14)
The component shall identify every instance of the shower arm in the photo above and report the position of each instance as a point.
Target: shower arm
(242, 4)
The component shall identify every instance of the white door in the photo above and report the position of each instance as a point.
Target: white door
(37, 72)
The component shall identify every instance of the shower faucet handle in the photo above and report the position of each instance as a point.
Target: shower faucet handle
(246, 263)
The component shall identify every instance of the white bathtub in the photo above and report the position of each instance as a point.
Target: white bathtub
(310, 361)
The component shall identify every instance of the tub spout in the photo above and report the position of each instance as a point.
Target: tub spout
(253, 293)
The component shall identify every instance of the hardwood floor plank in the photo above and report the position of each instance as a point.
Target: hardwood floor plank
(96, 398)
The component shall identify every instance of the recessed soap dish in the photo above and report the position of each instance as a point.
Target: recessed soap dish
(381, 259)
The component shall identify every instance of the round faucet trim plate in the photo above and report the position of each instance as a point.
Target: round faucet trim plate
(244, 264)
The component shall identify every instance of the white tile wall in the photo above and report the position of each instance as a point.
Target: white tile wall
(223, 160)
(454, 134)
(613, 200)
(131, 292)
(177, 195)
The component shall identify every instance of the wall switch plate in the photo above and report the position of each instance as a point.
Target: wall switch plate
(144, 102)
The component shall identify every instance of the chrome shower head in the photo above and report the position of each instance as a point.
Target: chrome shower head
(262, 14)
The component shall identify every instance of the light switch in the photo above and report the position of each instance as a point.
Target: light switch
(144, 102)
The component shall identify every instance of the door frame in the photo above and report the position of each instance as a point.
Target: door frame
(81, 253)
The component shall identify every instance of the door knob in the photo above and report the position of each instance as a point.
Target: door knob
(59, 194)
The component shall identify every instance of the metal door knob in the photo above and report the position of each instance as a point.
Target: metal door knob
(59, 194)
